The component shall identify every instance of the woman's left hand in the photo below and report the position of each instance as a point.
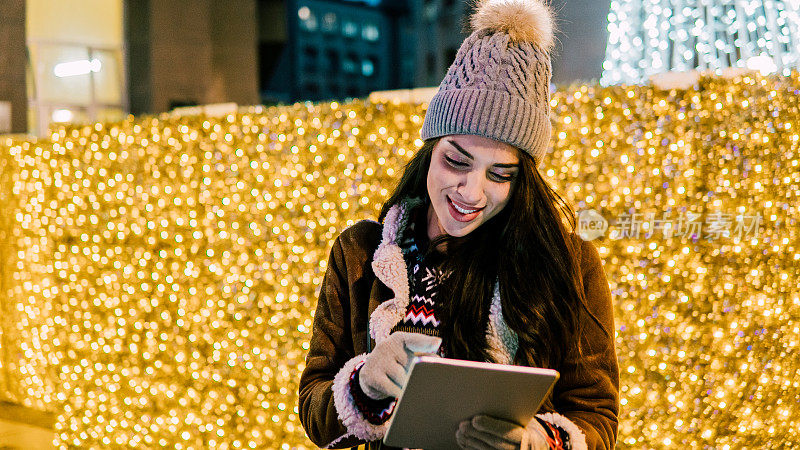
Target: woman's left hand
(484, 432)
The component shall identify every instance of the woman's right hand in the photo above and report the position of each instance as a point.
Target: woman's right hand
(384, 371)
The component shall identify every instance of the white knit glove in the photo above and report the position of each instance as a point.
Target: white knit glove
(484, 432)
(384, 371)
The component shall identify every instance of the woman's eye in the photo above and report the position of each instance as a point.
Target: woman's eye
(502, 178)
(455, 163)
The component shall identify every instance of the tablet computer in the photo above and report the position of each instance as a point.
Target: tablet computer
(440, 393)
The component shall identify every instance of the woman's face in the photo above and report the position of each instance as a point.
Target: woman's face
(469, 182)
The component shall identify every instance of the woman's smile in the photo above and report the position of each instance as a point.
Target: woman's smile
(460, 213)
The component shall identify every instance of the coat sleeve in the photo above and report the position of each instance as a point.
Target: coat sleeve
(331, 347)
(588, 391)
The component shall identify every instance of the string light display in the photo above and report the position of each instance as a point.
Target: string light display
(653, 36)
(160, 274)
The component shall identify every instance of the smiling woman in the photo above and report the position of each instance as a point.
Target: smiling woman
(474, 257)
(469, 182)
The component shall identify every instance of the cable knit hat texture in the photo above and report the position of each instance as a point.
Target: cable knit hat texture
(499, 84)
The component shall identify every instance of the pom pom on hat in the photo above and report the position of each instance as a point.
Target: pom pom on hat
(523, 20)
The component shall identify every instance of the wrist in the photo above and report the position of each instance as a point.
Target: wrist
(375, 411)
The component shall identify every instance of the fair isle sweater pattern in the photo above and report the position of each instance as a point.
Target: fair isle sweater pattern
(421, 312)
(423, 279)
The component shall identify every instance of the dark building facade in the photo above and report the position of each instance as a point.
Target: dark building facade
(190, 52)
(326, 49)
(340, 49)
(13, 60)
(333, 49)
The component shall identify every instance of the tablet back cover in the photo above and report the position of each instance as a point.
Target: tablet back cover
(440, 393)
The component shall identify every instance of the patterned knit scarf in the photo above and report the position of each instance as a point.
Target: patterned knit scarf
(424, 278)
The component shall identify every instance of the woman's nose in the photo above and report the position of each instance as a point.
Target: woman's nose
(471, 188)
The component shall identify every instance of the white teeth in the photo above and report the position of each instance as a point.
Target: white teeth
(462, 210)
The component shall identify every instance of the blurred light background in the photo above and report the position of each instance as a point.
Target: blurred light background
(135, 144)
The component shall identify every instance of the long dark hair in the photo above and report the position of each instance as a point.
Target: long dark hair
(528, 249)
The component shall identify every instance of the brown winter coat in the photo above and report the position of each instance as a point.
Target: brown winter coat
(587, 392)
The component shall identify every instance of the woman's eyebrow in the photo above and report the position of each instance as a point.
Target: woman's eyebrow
(460, 148)
(468, 155)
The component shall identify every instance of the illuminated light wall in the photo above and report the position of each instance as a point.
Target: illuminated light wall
(160, 274)
(653, 36)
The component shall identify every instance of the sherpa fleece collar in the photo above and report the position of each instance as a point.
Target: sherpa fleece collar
(390, 268)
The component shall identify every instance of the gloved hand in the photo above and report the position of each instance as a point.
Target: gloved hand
(384, 371)
(484, 432)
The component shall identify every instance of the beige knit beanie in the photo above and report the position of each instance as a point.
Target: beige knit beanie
(499, 84)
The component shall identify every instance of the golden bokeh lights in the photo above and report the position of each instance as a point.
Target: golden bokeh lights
(160, 274)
